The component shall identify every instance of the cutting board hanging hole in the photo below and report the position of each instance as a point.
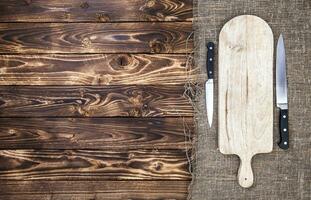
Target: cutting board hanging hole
(245, 173)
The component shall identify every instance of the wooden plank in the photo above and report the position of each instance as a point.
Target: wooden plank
(93, 165)
(86, 190)
(101, 196)
(95, 133)
(94, 69)
(95, 10)
(95, 37)
(93, 101)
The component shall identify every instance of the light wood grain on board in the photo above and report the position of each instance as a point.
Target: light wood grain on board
(94, 101)
(94, 69)
(245, 91)
(95, 37)
(93, 165)
(95, 10)
(82, 190)
(95, 133)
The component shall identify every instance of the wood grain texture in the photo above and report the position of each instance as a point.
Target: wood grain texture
(95, 10)
(93, 101)
(245, 108)
(95, 133)
(95, 37)
(93, 165)
(82, 190)
(96, 69)
(91, 108)
(102, 196)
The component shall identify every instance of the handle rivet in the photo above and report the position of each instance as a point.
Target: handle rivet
(210, 59)
(285, 143)
(284, 129)
(284, 116)
(211, 48)
(210, 72)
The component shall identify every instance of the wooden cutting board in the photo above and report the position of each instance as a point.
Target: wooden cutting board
(245, 91)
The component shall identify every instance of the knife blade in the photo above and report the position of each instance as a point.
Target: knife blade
(281, 93)
(209, 84)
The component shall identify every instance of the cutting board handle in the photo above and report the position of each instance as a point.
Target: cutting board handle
(245, 174)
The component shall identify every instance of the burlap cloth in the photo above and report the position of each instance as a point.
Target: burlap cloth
(280, 174)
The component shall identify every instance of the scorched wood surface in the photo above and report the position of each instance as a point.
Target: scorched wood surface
(95, 10)
(94, 69)
(88, 38)
(92, 102)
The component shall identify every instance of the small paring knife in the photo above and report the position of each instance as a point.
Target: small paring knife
(209, 84)
(281, 93)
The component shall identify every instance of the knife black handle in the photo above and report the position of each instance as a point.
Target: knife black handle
(284, 136)
(210, 60)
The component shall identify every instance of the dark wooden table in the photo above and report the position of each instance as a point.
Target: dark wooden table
(91, 99)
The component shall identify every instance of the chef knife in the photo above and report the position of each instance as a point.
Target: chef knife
(209, 84)
(281, 93)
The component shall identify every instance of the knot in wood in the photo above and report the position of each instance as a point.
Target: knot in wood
(67, 15)
(135, 112)
(137, 100)
(68, 153)
(84, 5)
(160, 15)
(82, 111)
(150, 3)
(156, 46)
(155, 150)
(72, 119)
(81, 91)
(102, 17)
(151, 9)
(78, 101)
(86, 42)
(131, 155)
(157, 166)
(170, 18)
(71, 137)
(135, 92)
(121, 62)
(105, 79)
(28, 2)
